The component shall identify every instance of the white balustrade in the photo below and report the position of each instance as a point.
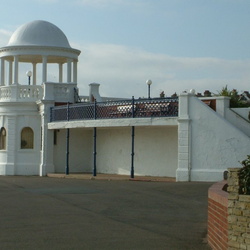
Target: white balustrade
(21, 93)
(64, 92)
(59, 92)
(5, 93)
(30, 92)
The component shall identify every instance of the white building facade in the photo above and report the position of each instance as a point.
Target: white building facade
(24, 107)
(39, 134)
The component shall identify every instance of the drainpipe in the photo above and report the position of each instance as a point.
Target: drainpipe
(94, 152)
(189, 151)
(132, 152)
(67, 145)
(67, 153)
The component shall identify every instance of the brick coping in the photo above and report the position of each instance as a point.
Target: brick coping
(217, 193)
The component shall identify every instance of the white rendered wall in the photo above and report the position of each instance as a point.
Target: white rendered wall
(80, 151)
(28, 160)
(244, 112)
(10, 123)
(3, 153)
(114, 150)
(235, 116)
(14, 160)
(3, 162)
(215, 143)
(155, 151)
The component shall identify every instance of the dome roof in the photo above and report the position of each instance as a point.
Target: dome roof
(39, 33)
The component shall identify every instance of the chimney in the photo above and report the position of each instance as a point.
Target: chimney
(94, 92)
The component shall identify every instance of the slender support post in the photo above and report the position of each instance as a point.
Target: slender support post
(16, 64)
(95, 106)
(68, 111)
(149, 82)
(34, 73)
(94, 153)
(60, 65)
(51, 115)
(10, 72)
(69, 70)
(44, 72)
(133, 106)
(67, 144)
(67, 153)
(75, 71)
(2, 71)
(132, 153)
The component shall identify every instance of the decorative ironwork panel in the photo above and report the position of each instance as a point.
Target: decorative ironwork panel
(156, 107)
(114, 109)
(139, 108)
(59, 113)
(81, 112)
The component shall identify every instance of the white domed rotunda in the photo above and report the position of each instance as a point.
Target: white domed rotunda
(24, 106)
(34, 43)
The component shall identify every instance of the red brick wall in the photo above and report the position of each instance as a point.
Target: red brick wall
(218, 217)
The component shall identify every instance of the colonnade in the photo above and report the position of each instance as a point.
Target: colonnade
(71, 74)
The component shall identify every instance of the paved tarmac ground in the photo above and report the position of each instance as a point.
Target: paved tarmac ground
(57, 213)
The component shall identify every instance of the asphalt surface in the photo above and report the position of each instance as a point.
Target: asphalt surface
(56, 213)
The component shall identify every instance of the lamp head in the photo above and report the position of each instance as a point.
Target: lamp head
(29, 73)
(192, 91)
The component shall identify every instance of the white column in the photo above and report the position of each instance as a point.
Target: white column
(2, 71)
(75, 72)
(34, 73)
(222, 104)
(183, 173)
(44, 76)
(16, 74)
(11, 145)
(46, 163)
(60, 72)
(10, 72)
(69, 69)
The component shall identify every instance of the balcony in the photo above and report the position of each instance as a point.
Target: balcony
(22, 93)
(134, 108)
(58, 92)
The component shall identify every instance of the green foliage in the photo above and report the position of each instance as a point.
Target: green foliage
(235, 101)
(225, 92)
(244, 177)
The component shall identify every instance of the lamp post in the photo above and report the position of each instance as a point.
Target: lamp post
(29, 74)
(149, 82)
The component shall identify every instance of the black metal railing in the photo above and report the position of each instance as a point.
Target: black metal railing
(133, 108)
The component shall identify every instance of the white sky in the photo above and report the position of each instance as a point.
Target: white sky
(178, 44)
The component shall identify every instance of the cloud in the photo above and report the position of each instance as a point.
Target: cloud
(123, 71)
(5, 32)
(109, 3)
(4, 37)
(47, 1)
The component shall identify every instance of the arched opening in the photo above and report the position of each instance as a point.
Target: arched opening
(27, 138)
(3, 138)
